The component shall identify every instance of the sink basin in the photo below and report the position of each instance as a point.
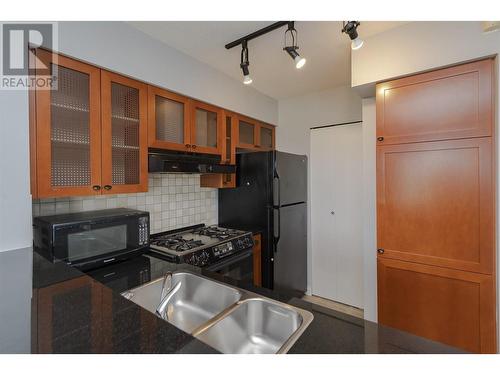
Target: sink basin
(256, 325)
(192, 300)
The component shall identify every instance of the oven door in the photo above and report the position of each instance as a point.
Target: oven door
(238, 266)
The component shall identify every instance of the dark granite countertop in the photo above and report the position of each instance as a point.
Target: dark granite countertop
(58, 309)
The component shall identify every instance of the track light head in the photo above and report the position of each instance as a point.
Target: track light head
(245, 63)
(299, 60)
(350, 28)
(292, 49)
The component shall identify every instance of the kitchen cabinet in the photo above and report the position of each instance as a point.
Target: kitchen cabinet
(435, 203)
(450, 306)
(228, 156)
(88, 134)
(266, 137)
(435, 206)
(254, 135)
(257, 259)
(123, 134)
(67, 130)
(168, 121)
(206, 128)
(448, 103)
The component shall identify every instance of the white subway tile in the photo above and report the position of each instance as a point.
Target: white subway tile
(111, 203)
(62, 207)
(48, 208)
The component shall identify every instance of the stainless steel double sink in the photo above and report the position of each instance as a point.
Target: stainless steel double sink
(227, 318)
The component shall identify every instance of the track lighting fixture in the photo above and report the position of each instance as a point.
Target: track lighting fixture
(292, 49)
(245, 63)
(350, 28)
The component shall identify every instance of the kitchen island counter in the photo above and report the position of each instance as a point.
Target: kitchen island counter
(64, 310)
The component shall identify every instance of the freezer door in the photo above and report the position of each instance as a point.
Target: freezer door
(290, 256)
(290, 179)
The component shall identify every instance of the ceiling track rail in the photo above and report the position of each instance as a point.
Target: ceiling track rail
(258, 33)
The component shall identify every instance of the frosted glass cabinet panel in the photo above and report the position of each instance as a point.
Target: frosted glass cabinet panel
(207, 128)
(124, 134)
(266, 134)
(254, 135)
(66, 147)
(168, 120)
(247, 132)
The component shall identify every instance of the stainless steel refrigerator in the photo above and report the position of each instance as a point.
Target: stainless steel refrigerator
(271, 198)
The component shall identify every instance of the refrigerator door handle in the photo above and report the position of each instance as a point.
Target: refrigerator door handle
(277, 186)
(278, 227)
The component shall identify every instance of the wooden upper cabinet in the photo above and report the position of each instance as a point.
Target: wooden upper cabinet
(266, 137)
(435, 203)
(169, 126)
(124, 134)
(67, 130)
(247, 132)
(228, 156)
(206, 128)
(230, 129)
(254, 135)
(449, 103)
(89, 133)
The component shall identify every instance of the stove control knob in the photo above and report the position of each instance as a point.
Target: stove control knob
(193, 260)
(203, 258)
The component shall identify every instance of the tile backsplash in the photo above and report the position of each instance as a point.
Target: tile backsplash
(173, 201)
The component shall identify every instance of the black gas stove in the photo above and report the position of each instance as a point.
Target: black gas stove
(200, 245)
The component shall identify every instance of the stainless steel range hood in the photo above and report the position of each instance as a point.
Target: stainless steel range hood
(161, 161)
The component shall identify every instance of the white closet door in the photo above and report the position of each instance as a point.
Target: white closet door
(336, 213)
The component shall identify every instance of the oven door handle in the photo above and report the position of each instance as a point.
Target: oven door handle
(230, 260)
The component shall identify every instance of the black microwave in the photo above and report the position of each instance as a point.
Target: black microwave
(91, 239)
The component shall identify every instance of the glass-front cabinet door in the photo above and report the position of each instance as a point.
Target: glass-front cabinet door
(124, 134)
(266, 137)
(67, 131)
(206, 128)
(247, 132)
(168, 120)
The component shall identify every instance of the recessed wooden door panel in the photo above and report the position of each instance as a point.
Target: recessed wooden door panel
(435, 203)
(449, 103)
(68, 153)
(124, 134)
(450, 306)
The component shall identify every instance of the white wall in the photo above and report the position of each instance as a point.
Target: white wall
(369, 210)
(418, 46)
(119, 47)
(408, 49)
(122, 48)
(298, 114)
(15, 198)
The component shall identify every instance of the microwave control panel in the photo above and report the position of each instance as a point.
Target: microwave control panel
(143, 230)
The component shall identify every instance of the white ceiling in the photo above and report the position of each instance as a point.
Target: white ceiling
(326, 49)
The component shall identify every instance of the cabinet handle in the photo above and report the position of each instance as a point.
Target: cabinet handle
(188, 146)
(380, 251)
(107, 187)
(193, 146)
(380, 139)
(96, 187)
